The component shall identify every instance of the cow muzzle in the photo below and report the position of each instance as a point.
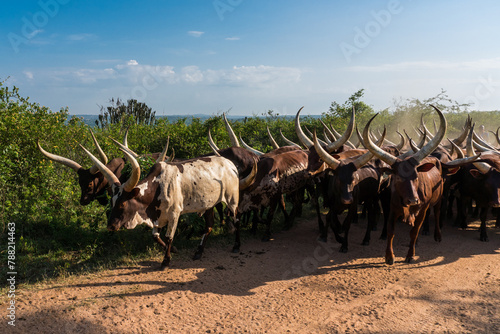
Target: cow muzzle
(411, 201)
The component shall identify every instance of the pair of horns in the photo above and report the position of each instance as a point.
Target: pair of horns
(72, 164)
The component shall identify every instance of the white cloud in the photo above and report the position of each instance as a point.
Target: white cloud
(34, 33)
(132, 62)
(194, 33)
(28, 74)
(232, 38)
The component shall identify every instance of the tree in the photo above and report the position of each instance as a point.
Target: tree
(342, 113)
(132, 112)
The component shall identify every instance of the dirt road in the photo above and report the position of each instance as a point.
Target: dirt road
(292, 284)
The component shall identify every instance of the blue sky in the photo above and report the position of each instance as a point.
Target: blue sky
(187, 57)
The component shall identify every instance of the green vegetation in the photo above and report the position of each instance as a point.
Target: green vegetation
(56, 236)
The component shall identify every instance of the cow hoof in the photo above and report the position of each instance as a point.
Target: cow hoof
(409, 259)
(383, 237)
(266, 238)
(343, 249)
(235, 250)
(173, 249)
(365, 242)
(389, 261)
(197, 256)
(485, 239)
(163, 267)
(437, 239)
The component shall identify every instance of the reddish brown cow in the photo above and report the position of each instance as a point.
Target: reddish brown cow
(416, 186)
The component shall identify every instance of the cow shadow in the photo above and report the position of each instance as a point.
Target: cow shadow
(291, 254)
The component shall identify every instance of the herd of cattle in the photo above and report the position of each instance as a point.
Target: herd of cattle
(405, 179)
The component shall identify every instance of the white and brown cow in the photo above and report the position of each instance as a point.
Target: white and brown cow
(169, 190)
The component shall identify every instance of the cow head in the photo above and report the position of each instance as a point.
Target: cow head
(126, 206)
(406, 171)
(92, 183)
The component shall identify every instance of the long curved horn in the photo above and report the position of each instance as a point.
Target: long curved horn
(402, 143)
(271, 139)
(102, 155)
(310, 135)
(302, 137)
(211, 142)
(454, 147)
(288, 141)
(462, 161)
(329, 132)
(496, 135)
(163, 154)
(327, 138)
(481, 142)
(463, 136)
(324, 155)
(483, 167)
(423, 138)
(345, 137)
(62, 160)
(125, 148)
(364, 158)
(422, 125)
(125, 137)
(377, 151)
(248, 180)
(434, 142)
(232, 136)
(251, 149)
(108, 174)
(136, 173)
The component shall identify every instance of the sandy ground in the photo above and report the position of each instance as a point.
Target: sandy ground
(291, 284)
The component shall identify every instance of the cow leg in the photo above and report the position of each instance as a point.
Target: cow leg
(209, 223)
(425, 224)
(438, 225)
(385, 201)
(483, 236)
(166, 259)
(371, 209)
(237, 241)
(389, 252)
(414, 235)
(334, 223)
(220, 210)
(449, 210)
(270, 215)
(351, 214)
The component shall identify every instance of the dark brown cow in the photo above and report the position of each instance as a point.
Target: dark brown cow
(93, 184)
(279, 174)
(416, 186)
(350, 180)
(479, 181)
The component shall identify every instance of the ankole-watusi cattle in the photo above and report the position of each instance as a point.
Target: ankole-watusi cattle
(169, 190)
(349, 181)
(479, 181)
(416, 185)
(93, 184)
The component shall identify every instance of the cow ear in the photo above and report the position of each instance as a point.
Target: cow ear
(425, 167)
(450, 170)
(385, 170)
(135, 192)
(476, 173)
